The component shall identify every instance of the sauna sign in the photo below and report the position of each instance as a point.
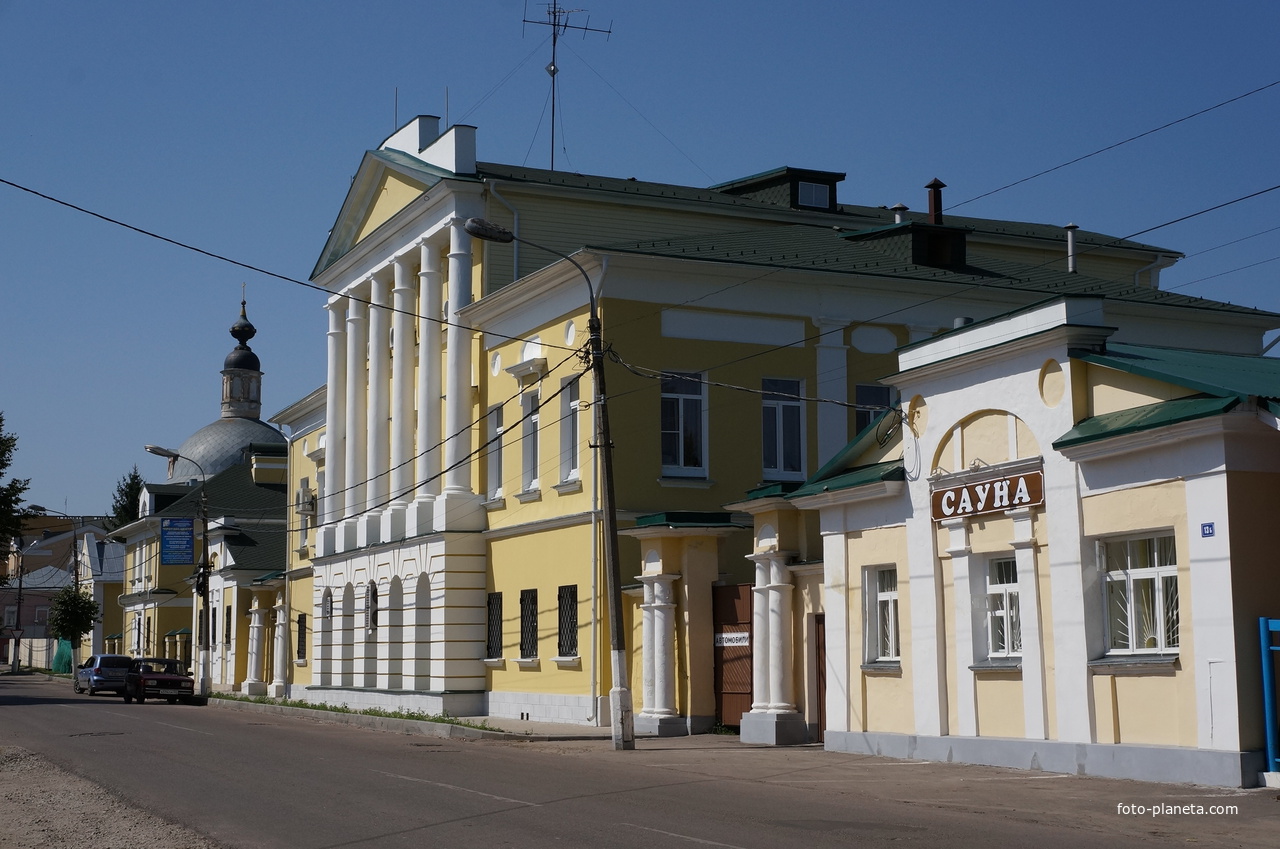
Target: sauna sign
(989, 496)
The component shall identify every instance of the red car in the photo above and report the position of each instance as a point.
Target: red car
(158, 678)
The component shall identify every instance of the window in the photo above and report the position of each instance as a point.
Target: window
(871, 400)
(529, 403)
(570, 406)
(326, 605)
(813, 194)
(493, 626)
(213, 625)
(493, 454)
(11, 616)
(567, 604)
(42, 615)
(227, 624)
(528, 623)
(883, 615)
(371, 608)
(1141, 595)
(683, 430)
(302, 636)
(1004, 626)
(781, 429)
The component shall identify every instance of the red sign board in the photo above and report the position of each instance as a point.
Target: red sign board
(994, 495)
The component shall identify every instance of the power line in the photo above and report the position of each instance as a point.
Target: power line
(1117, 144)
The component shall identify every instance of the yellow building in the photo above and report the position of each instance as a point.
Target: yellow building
(456, 558)
(1053, 556)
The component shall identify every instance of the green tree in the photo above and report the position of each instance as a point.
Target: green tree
(12, 512)
(72, 614)
(124, 506)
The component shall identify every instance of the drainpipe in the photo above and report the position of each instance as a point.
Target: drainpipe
(1161, 261)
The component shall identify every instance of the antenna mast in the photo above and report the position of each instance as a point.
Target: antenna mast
(558, 20)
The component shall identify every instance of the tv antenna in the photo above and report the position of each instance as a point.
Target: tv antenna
(558, 20)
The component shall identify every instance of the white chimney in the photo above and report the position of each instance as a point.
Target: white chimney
(1071, 247)
(415, 136)
(897, 209)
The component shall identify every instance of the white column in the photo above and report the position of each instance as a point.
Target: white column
(404, 301)
(833, 383)
(458, 507)
(280, 650)
(430, 350)
(378, 412)
(335, 423)
(1034, 705)
(780, 638)
(357, 385)
(647, 647)
(664, 635)
(252, 683)
(760, 636)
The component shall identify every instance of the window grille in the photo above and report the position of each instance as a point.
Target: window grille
(493, 629)
(567, 603)
(302, 636)
(528, 623)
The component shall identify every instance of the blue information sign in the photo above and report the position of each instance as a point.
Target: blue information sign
(177, 542)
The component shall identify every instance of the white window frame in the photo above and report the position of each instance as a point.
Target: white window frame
(777, 401)
(1120, 560)
(883, 638)
(11, 616)
(493, 454)
(686, 418)
(807, 194)
(530, 404)
(570, 430)
(1003, 609)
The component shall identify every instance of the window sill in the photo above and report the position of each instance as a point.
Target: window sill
(300, 662)
(574, 662)
(495, 662)
(529, 495)
(528, 662)
(1135, 664)
(568, 487)
(883, 667)
(495, 503)
(686, 483)
(998, 664)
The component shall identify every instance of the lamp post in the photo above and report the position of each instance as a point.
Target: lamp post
(17, 622)
(620, 707)
(202, 577)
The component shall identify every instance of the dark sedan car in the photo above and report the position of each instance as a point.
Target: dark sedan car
(101, 672)
(158, 678)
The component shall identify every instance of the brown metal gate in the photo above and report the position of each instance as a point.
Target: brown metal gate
(732, 627)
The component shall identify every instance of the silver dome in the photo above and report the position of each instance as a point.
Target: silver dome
(219, 446)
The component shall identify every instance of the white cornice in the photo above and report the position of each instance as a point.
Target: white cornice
(555, 523)
(852, 495)
(1156, 438)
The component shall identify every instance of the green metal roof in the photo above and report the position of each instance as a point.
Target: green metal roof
(687, 519)
(1238, 375)
(814, 248)
(892, 470)
(773, 490)
(1144, 418)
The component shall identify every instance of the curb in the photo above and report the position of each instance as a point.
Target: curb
(420, 727)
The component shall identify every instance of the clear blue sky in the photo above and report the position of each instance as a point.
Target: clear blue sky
(236, 126)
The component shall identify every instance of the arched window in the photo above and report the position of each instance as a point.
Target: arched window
(371, 608)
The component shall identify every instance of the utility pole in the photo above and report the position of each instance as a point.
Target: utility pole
(558, 20)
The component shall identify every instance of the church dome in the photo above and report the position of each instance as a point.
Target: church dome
(219, 446)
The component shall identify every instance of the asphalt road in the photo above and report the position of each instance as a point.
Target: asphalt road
(249, 780)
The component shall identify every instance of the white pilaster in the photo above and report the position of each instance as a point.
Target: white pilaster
(403, 302)
(832, 367)
(1072, 647)
(1034, 705)
(966, 686)
(835, 605)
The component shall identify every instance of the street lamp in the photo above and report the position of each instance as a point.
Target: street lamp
(202, 577)
(623, 722)
(17, 629)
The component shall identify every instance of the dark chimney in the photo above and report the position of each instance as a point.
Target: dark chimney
(935, 188)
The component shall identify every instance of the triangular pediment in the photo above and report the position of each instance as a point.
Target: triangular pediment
(386, 183)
